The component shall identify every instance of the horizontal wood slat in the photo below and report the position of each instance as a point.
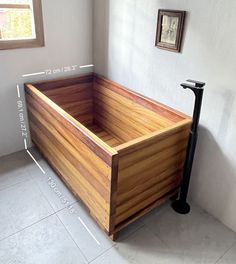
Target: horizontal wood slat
(87, 137)
(79, 169)
(153, 138)
(120, 152)
(71, 89)
(131, 111)
(149, 183)
(155, 106)
(120, 118)
(97, 173)
(149, 168)
(143, 211)
(125, 115)
(151, 161)
(70, 175)
(63, 82)
(107, 137)
(140, 198)
(136, 180)
(160, 145)
(128, 212)
(76, 100)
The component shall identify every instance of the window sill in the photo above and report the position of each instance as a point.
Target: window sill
(18, 44)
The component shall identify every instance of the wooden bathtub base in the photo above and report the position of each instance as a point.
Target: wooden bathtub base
(121, 153)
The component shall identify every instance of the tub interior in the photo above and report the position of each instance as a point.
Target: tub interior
(113, 117)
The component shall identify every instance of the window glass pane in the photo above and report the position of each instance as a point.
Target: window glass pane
(16, 23)
(18, 26)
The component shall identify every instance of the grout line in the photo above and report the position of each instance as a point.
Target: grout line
(103, 253)
(217, 261)
(33, 74)
(72, 239)
(28, 226)
(55, 213)
(120, 241)
(36, 162)
(33, 180)
(15, 184)
(18, 90)
(58, 211)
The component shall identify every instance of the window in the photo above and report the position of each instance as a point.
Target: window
(21, 24)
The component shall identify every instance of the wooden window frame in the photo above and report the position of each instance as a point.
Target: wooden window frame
(39, 32)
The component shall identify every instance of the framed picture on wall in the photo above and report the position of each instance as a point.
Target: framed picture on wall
(170, 26)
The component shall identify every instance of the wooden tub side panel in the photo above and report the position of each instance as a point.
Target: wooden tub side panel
(148, 103)
(122, 116)
(84, 162)
(76, 100)
(150, 169)
(63, 82)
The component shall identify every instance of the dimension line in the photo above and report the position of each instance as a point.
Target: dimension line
(18, 90)
(36, 162)
(86, 66)
(91, 234)
(25, 142)
(33, 74)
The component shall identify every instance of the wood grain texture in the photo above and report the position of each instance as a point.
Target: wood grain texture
(63, 82)
(76, 100)
(104, 135)
(85, 135)
(124, 118)
(163, 110)
(120, 152)
(149, 168)
(144, 211)
(60, 140)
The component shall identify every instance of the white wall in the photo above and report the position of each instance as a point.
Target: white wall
(124, 36)
(68, 36)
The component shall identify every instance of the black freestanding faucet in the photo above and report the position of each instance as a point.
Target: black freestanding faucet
(181, 206)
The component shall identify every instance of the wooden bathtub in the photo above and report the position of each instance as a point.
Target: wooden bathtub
(121, 153)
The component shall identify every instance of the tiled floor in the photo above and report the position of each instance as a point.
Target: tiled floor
(42, 222)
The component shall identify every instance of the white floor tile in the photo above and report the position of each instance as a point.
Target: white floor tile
(46, 242)
(229, 257)
(141, 248)
(56, 192)
(33, 169)
(27, 196)
(130, 229)
(21, 206)
(50, 184)
(13, 169)
(197, 236)
(88, 236)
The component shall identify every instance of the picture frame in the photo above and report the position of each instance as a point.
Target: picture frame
(170, 27)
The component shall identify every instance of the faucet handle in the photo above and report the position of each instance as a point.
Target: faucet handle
(197, 83)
